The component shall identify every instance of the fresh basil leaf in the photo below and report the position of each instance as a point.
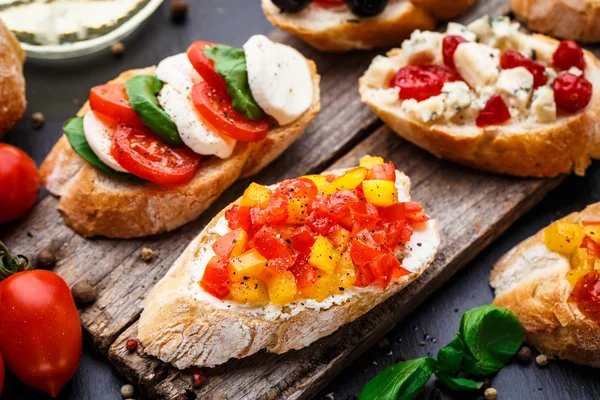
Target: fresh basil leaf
(459, 383)
(492, 335)
(73, 129)
(402, 381)
(142, 91)
(230, 63)
(450, 356)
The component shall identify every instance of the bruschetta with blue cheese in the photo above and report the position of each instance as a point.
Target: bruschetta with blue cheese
(491, 97)
(154, 148)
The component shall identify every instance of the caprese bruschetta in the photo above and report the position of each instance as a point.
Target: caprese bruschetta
(491, 97)
(343, 25)
(550, 281)
(154, 148)
(288, 264)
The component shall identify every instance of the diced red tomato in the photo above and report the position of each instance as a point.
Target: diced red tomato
(568, 54)
(383, 268)
(385, 172)
(319, 223)
(364, 250)
(258, 217)
(399, 272)
(298, 188)
(572, 93)
(215, 106)
(421, 82)
(586, 294)
(415, 213)
(449, 45)
(280, 256)
(396, 212)
(238, 217)
(592, 247)
(215, 278)
(277, 209)
(302, 239)
(364, 276)
(304, 273)
(586, 223)
(398, 233)
(495, 112)
(330, 177)
(140, 152)
(205, 66)
(513, 59)
(226, 243)
(111, 101)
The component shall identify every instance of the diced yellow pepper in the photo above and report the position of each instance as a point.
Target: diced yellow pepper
(581, 260)
(351, 179)
(563, 237)
(324, 187)
(574, 275)
(282, 288)
(593, 231)
(256, 195)
(368, 161)
(298, 210)
(249, 264)
(251, 290)
(323, 255)
(345, 272)
(381, 193)
(321, 288)
(340, 238)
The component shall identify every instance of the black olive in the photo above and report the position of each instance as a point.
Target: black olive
(366, 8)
(292, 5)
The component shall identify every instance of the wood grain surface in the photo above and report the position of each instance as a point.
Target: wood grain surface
(473, 209)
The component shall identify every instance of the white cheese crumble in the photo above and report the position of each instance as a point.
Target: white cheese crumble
(423, 47)
(476, 63)
(543, 105)
(517, 85)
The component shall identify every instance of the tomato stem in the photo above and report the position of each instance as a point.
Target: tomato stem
(11, 264)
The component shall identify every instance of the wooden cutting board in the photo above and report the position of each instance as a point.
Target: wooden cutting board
(472, 208)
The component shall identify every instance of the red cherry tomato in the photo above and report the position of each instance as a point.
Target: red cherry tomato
(40, 329)
(206, 66)
(279, 254)
(238, 217)
(572, 93)
(215, 278)
(421, 82)
(111, 101)
(215, 106)
(568, 54)
(513, 59)
(495, 112)
(586, 294)
(140, 152)
(449, 45)
(19, 183)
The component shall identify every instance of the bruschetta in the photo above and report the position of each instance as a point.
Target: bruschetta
(154, 148)
(491, 97)
(338, 25)
(12, 82)
(288, 264)
(567, 19)
(550, 282)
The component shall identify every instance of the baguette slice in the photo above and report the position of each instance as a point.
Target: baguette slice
(339, 30)
(96, 204)
(12, 82)
(532, 149)
(531, 281)
(185, 326)
(568, 19)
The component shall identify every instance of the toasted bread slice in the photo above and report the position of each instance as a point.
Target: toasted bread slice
(96, 204)
(521, 148)
(567, 19)
(337, 29)
(12, 82)
(531, 281)
(183, 325)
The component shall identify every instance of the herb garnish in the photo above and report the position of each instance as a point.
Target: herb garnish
(488, 337)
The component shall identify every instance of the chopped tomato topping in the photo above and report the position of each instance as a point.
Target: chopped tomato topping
(592, 247)
(568, 54)
(302, 239)
(364, 276)
(215, 278)
(280, 255)
(449, 45)
(385, 172)
(495, 112)
(231, 244)
(298, 188)
(365, 250)
(303, 272)
(421, 82)
(572, 93)
(415, 213)
(513, 59)
(383, 268)
(586, 294)
(238, 217)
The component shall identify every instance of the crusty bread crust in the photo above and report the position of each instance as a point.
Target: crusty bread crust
(385, 30)
(12, 82)
(532, 283)
(94, 204)
(444, 10)
(177, 329)
(566, 19)
(540, 150)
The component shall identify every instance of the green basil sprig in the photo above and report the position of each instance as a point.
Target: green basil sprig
(73, 129)
(488, 337)
(230, 63)
(142, 91)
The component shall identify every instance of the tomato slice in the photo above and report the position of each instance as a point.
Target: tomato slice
(140, 152)
(216, 108)
(111, 101)
(205, 66)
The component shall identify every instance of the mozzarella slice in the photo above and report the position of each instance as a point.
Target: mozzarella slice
(197, 135)
(279, 79)
(99, 134)
(178, 72)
